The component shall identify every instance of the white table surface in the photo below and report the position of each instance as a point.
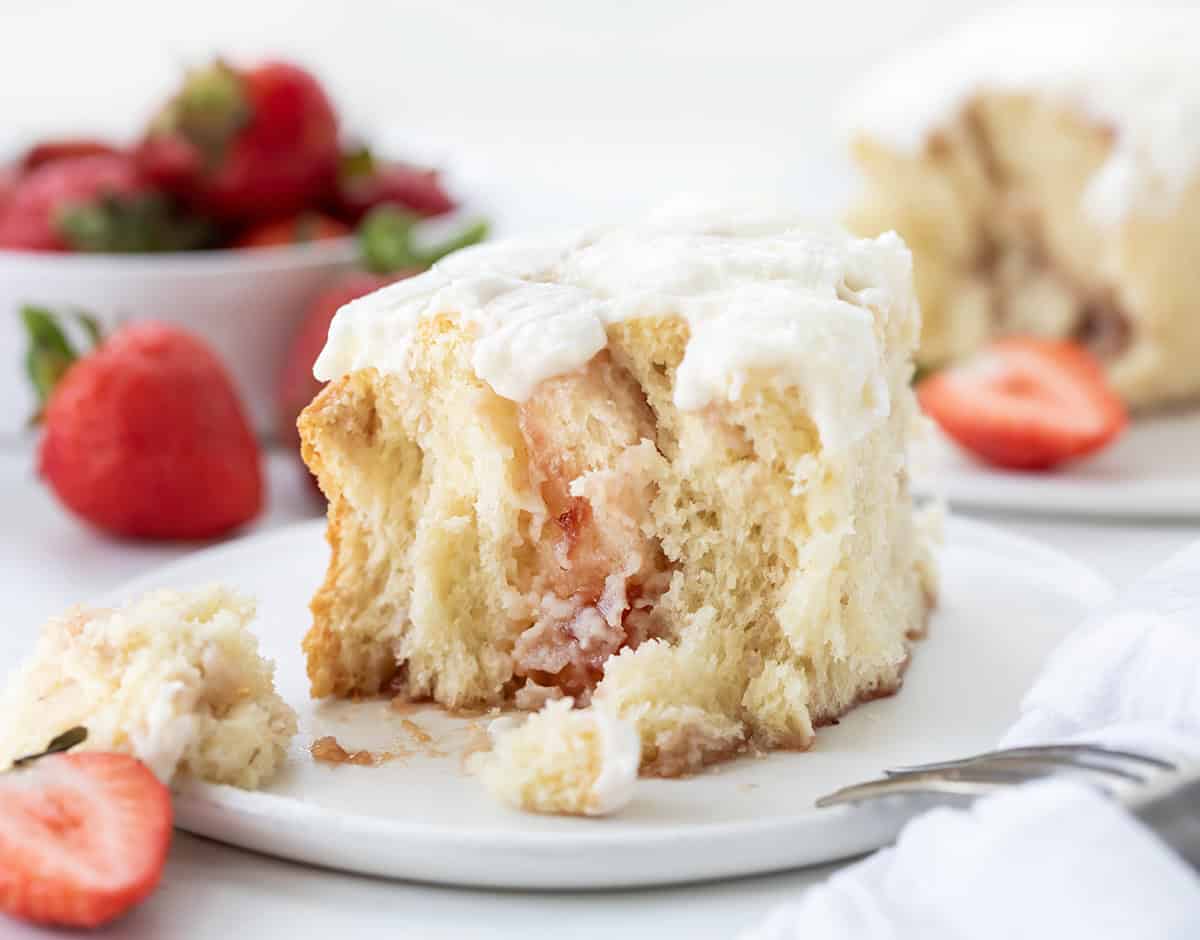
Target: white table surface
(211, 891)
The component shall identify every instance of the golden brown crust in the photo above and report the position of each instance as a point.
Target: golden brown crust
(343, 410)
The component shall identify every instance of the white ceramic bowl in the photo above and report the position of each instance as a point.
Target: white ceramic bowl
(246, 304)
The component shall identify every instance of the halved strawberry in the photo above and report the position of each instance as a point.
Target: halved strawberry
(83, 838)
(1026, 403)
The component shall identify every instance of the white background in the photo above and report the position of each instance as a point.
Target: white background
(613, 102)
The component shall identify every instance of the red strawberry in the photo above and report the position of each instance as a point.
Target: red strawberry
(1026, 403)
(8, 185)
(293, 230)
(39, 201)
(96, 203)
(145, 435)
(364, 183)
(244, 144)
(83, 838)
(48, 151)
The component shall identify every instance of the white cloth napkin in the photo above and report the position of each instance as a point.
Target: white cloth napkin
(1053, 859)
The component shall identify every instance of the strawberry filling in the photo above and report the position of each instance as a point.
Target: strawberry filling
(599, 574)
(572, 639)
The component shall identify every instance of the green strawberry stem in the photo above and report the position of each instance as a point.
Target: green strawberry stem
(355, 162)
(388, 245)
(209, 110)
(921, 373)
(63, 742)
(50, 352)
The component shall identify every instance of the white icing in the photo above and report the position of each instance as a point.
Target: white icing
(166, 729)
(1132, 69)
(621, 756)
(763, 295)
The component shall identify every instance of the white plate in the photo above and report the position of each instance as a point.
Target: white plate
(1005, 602)
(1152, 471)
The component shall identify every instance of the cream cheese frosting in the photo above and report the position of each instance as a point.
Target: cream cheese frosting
(762, 293)
(621, 754)
(1132, 69)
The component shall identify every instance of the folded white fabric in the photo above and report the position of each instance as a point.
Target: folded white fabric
(1053, 859)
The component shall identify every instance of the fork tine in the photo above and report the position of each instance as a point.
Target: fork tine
(1028, 768)
(981, 774)
(898, 786)
(1061, 754)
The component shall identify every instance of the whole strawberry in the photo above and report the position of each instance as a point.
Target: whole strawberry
(93, 203)
(144, 436)
(244, 144)
(364, 183)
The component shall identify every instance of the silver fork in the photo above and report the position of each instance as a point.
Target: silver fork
(1162, 795)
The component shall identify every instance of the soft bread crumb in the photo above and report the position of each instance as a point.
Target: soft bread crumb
(561, 760)
(174, 678)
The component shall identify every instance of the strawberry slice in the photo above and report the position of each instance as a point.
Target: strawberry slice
(1026, 403)
(83, 838)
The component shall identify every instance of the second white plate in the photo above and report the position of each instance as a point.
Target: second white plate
(1005, 603)
(1153, 471)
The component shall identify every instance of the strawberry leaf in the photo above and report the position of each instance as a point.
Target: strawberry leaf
(91, 327)
(63, 742)
(50, 353)
(473, 234)
(123, 224)
(387, 240)
(921, 373)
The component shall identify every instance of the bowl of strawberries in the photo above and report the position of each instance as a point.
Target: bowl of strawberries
(232, 210)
